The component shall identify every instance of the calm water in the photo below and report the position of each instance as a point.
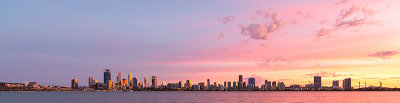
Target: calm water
(183, 97)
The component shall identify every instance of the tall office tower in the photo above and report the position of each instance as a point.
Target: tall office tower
(201, 85)
(208, 84)
(281, 86)
(180, 84)
(215, 85)
(252, 82)
(74, 83)
(91, 82)
(234, 87)
(187, 84)
(240, 82)
(225, 84)
(108, 85)
(273, 84)
(124, 82)
(335, 84)
(347, 84)
(244, 85)
(317, 82)
(229, 85)
(154, 81)
(269, 85)
(130, 78)
(119, 78)
(146, 82)
(240, 78)
(107, 76)
(135, 82)
(266, 82)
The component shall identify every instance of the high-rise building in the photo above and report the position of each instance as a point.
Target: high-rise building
(225, 85)
(281, 86)
(234, 85)
(91, 82)
(188, 84)
(74, 83)
(252, 82)
(240, 78)
(201, 85)
(244, 85)
(119, 78)
(215, 85)
(124, 82)
(135, 82)
(146, 82)
(107, 76)
(269, 85)
(240, 82)
(229, 85)
(335, 84)
(208, 84)
(180, 84)
(154, 81)
(317, 82)
(130, 78)
(347, 84)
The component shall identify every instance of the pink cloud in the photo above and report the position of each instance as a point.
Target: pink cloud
(384, 54)
(273, 62)
(227, 19)
(328, 74)
(338, 2)
(261, 31)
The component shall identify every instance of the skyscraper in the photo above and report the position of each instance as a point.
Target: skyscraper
(130, 79)
(146, 82)
(281, 86)
(240, 82)
(119, 78)
(74, 83)
(240, 78)
(252, 82)
(91, 82)
(229, 85)
(335, 84)
(225, 84)
(107, 76)
(317, 82)
(187, 84)
(154, 81)
(234, 87)
(347, 84)
(215, 85)
(135, 82)
(208, 84)
(180, 84)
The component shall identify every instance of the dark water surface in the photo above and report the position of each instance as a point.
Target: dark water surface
(190, 96)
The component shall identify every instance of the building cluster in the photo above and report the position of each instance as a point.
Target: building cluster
(31, 86)
(133, 84)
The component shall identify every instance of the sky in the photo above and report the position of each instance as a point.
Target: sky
(52, 42)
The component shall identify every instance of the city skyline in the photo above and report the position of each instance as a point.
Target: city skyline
(53, 42)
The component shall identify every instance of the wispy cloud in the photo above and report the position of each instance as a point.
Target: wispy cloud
(227, 19)
(328, 74)
(383, 54)
(348, 18)
(261, 31)
(272, 62)
(338, 2)
(220, 36)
